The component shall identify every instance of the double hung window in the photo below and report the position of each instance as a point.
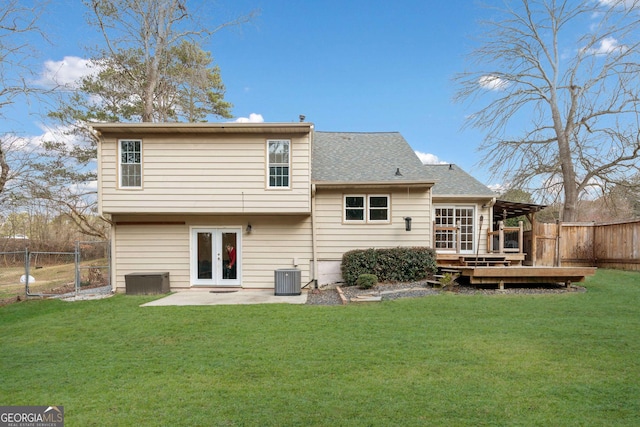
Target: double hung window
(366, 208)
(279, 163)
(130, 163)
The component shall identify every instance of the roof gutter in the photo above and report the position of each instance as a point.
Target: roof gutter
(196, 128)
(403, 184)
(490, 200)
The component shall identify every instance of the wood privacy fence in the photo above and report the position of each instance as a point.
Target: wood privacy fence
(605, 245)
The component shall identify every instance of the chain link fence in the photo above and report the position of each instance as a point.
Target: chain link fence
(83, 271)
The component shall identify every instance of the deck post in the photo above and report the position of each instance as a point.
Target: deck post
(489, 242)
(534, 239)
(558, 257)
(458, 237)
(501, 237)
(520, 237)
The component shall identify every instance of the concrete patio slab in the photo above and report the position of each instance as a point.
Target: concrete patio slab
(241, 296)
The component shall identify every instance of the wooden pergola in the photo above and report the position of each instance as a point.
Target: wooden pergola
(504, 209)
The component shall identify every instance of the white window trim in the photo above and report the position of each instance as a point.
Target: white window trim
(344, 209)
(388, 209)
(268, 166)
(129, 187)
(367, 208)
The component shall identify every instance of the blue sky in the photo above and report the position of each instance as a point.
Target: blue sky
(347, 65)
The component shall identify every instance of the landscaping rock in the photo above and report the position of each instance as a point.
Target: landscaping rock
(392, 291)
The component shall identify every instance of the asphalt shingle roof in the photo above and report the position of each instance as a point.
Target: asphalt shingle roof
(451, 180)
(362, 157)
(354, 157)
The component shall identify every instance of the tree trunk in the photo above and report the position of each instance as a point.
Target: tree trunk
(568, 178)
(4, 170)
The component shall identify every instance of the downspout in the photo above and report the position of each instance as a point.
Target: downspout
(314, 249)
(112, 256)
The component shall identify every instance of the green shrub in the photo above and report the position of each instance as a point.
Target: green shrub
(448, 281)
(367, 281)
(389, 265)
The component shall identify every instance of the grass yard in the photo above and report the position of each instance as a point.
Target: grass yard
(570, 360)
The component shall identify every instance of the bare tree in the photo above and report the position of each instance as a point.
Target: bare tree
(559, 81)
(17, 22)
(16, 154)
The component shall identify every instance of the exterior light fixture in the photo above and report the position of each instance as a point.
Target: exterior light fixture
(407, 223)
(249, 228)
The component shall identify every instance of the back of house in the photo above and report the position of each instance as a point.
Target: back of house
(228, 204)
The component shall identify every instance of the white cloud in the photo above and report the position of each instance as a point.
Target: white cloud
(492, 82)
(84, 189)
(59, 134)
(627, 4)
(606, 46)
(430, 159)
(253, 118)
(66, 73)
(499, 188)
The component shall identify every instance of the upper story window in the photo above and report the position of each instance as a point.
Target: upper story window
(366, 208)
(279, 163)
(130, 163)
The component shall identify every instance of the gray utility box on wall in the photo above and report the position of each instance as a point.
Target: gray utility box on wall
(147, 283)
(287, 281)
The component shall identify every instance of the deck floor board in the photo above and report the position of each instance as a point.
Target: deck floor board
(525, 274)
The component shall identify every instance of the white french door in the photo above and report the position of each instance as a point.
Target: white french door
(453, 223)
(215, 256)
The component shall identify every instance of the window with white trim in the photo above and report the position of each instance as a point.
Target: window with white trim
(130, 163)
(366, 208)
(279, 163)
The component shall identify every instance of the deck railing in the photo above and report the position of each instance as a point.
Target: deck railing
(449, 236)
(503, 240)
(506, 239)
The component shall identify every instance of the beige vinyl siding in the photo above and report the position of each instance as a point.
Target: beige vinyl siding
(335, 237)
(206, 174)
(274, 242)
(485, 227)
(152, 248)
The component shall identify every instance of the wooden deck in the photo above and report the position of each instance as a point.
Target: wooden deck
(519, 275)
(457, 259)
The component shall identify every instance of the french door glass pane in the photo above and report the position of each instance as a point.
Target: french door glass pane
(205, 256)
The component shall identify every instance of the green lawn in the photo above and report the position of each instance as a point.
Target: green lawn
(446, 360)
